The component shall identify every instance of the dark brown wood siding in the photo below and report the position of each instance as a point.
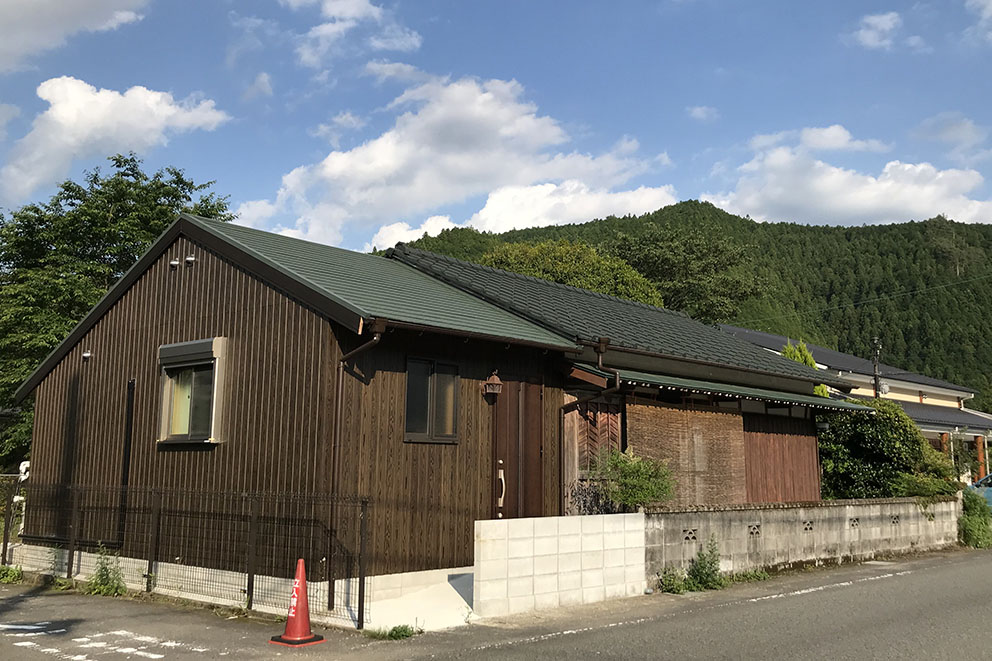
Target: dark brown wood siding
(275, 415)
(427, 496)
(781, 459)
(278, 411)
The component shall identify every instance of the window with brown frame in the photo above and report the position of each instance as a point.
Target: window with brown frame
(431, 401)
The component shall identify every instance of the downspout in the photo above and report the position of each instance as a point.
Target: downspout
(600, 349)
(378, 328)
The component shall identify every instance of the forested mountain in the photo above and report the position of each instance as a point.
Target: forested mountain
(924, 288)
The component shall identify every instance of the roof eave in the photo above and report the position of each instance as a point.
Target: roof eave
(826, 379)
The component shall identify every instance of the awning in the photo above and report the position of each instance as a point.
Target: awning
(665, 382)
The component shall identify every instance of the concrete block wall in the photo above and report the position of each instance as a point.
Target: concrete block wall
(778, 536)
(530, 564)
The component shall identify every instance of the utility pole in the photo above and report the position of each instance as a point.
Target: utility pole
(875, 354)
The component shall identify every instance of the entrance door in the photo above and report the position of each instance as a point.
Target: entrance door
(519, 483)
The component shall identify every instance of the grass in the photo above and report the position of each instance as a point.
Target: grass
(399, 632)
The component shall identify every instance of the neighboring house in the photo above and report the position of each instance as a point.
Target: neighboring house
(232, 360)
(937, 407)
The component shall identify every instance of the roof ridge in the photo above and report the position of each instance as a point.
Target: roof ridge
(403, 248)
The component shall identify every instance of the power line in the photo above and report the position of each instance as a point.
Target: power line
(885, 297)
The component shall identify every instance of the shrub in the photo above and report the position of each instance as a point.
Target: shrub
(704, 571)
(864, 455)
(672, 580)
(630, 481)
(10, 574)
(749, 576)
(107, 579)
(923, 486)
(975, 524)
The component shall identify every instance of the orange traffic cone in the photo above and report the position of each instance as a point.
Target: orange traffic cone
(298, 631)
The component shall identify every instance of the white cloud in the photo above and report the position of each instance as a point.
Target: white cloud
(325, 40)
(355, 10)
(450, 142)
(837, 138)
(332, 131)
(317, 44)
(255, 213)
(396, 38)
(262, 86)
(983, 28)
(703, 113)
(7, 113)
(82, 121)
(252, 34)
(30, 27)
(918, 44)
(382, 71)
(515, 207)
(877, 31)
(389, 235)
(817, 138)
(786, 182)
(964, 137)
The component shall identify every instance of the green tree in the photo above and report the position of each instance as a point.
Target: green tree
(699, 273)
(879, 455)
(801, 354)
(58, 258)
(575, 264)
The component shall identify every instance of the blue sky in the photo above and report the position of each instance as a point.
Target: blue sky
(361, 123)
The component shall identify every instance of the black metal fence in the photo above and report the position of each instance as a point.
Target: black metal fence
(238, 549)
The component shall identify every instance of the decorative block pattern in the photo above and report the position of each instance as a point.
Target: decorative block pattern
(531, 564)
(787, 535)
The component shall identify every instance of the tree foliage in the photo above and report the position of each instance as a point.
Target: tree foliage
(870, 455)
(574, 264)
(701, 274)
(801, 354)
(58, 258)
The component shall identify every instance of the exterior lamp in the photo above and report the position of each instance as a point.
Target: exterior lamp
(492, 385)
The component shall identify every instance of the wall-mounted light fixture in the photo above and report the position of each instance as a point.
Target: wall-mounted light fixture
(190, 259)
(492, 385)
(87, 355)
(174, 264)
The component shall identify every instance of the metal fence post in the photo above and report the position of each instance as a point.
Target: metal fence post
(252, 543)
(153, 541)
(8, 520)
(362, 544)
(73, 530)
(330, 568)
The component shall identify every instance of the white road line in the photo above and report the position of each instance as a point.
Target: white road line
(572, 632)
(25, 627)
(821, 588)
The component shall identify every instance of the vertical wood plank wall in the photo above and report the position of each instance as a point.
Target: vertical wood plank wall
(781, 459)
(427, 496)
(278, 361)
(278, 411)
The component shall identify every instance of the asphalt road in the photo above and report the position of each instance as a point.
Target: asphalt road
(931, 607)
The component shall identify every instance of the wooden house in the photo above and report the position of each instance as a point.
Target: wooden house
(232, 360)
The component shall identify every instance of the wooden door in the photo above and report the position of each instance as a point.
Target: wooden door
(518, 470)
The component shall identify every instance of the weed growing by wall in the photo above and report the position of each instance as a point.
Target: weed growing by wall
(975, 524)
(107, 578)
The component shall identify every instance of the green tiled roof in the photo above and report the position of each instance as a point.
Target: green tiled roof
(635, 378)
(372, 286)
(587, 316)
